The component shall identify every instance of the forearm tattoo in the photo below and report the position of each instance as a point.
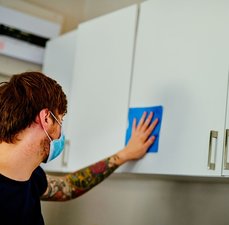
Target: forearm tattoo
(75, 184)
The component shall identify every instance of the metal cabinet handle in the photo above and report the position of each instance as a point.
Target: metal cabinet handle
(213, 135)
(226, 164)
(66, 153)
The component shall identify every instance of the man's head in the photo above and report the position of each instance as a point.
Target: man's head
(23, 97)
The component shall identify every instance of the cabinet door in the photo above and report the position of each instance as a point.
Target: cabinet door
(181, 62)
(100, 87)
(59, 64)
(225, 163)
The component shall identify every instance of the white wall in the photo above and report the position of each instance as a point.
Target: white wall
(145, 200)
(4, 78)
(9, 66)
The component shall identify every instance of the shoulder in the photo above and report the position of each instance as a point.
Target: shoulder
(39, 180)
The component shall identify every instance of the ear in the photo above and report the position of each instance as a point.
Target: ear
(43, 118)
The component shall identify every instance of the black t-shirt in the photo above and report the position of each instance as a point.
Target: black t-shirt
(20, 200)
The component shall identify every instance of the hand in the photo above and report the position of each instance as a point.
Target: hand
(140, 139)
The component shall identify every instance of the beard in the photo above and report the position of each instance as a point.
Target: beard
(45, 146)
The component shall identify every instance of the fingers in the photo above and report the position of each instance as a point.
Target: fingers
(147, 121)
(134, 124)
(146, 127)
(149, 142)
(141, 137)
(152, 126)
(144, 122)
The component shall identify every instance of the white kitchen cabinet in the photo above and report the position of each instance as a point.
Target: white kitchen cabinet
(59, 64)
(225, 161)
(100, 90)
(180, 60)
(181, 63)
(95, 74)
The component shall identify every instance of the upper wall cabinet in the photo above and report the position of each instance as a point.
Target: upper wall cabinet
(179, 59)
(181, 63)
(94, 65)
(59, 64)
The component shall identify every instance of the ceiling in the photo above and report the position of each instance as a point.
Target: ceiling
(77, 11)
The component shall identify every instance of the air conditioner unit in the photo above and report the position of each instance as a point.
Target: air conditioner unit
(24, 36)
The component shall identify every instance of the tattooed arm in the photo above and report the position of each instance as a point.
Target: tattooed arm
(75, 184)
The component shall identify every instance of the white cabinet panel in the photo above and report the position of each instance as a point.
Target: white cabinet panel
(59, 64)
(181, 62)
(94, 64)
(100, 88)
(225, 162)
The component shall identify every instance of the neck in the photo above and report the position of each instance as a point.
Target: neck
(18, 161)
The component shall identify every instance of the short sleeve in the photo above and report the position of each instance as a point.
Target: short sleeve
(39, 180)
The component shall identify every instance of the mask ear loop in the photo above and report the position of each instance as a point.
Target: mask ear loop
(55, 118)
(47, 135)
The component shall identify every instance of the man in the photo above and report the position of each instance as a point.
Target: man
(32, 107)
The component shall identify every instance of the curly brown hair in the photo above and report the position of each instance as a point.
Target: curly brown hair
(23, 97)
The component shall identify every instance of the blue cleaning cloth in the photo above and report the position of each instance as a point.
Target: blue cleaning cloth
(137, 113)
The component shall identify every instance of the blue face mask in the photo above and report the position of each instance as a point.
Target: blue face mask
(57, 145)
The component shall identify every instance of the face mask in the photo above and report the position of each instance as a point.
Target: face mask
(57, 145)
